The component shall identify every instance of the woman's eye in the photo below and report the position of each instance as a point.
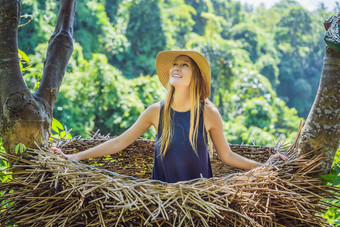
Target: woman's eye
(174, 64)
(185, 64)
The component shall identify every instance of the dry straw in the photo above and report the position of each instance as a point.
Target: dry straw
(48, 190)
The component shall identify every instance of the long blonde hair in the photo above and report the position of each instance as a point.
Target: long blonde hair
(198, 91)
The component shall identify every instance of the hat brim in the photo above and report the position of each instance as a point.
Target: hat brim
(165, 60)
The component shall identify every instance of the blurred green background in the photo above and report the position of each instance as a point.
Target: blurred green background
(266, 63)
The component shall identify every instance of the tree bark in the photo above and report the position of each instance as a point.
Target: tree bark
(60, 48)
(11, 80)
(25, 117)
(321, 132)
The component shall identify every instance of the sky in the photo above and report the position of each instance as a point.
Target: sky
(308, 4)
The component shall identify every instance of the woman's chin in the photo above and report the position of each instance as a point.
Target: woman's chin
(174, 81)
(177, 83)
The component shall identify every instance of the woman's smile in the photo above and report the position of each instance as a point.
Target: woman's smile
(176, 75)
(181, 72)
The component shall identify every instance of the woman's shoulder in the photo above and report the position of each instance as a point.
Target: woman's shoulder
(155, 108)
(151, 113)
(210, 108)
(212, 117)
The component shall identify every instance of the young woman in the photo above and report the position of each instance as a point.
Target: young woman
(184, 121)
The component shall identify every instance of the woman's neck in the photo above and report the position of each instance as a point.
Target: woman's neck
(181, 100)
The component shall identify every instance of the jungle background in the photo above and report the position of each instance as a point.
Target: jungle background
(266, 63)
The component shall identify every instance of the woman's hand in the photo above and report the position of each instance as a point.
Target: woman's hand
(277, 155)
(72, 157)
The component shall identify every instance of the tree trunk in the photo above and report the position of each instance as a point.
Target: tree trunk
(321, 132)
(25, 117)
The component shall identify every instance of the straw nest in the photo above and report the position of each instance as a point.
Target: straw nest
(47, 190)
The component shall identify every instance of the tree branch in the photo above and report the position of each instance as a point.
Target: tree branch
(321, 132)
(11, 80)
(59, 51)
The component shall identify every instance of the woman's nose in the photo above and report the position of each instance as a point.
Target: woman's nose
(176, 68)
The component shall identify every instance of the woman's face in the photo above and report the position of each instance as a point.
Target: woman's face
(181, 72)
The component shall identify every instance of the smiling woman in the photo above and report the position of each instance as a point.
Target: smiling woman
(187, 122)
(181, 71)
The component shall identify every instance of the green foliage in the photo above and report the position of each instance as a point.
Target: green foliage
(231, 12)
(226, 59)
(59, 131)
(145, 22)
(236, 133)
(284, 43)
(33, 74)
(299, 41)
(249, 36)
(267, 19)
(148, 89)
(255, 113)
(258, 112)
(20, 149)
(334, 175)
(177, 23)
(3, 166)
(41, 27)
(86, 26)
(111, 9)
(201, 7)
(267, 66)
(333, 214)
(95, 33)
(5, 175)
(24, 60)
(236, 43)
(96, 96)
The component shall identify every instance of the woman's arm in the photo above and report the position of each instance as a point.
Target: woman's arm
(143, 123)
(215, 127)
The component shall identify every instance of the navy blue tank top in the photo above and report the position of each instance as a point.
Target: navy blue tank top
(180, 162)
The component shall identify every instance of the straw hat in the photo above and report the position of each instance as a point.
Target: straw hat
(165, 59)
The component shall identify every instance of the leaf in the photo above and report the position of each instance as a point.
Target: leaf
(68, 136)
(54, 128)
(337, 169)
(20, 148)
(3, 158)
(36, 85)
(3, 163)
(21, 66)
(328, 177)
(17, 148)
(62, 134)
(336, 181)
(56, 125)
(23, 56)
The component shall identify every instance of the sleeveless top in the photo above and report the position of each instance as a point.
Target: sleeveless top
(180, 162)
